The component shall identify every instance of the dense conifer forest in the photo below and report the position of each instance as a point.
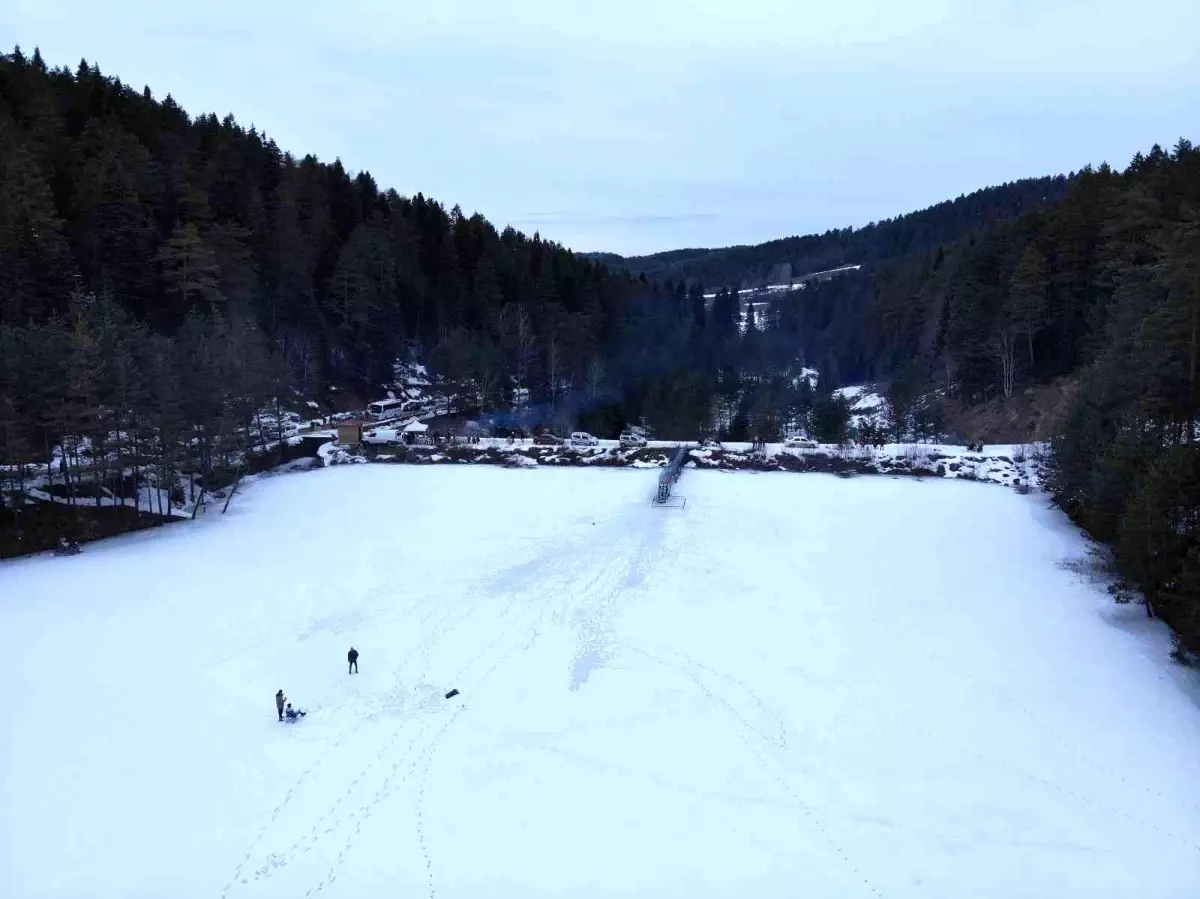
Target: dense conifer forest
(166, 280)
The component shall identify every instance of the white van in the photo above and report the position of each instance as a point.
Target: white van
(583, 438)
(382, 436)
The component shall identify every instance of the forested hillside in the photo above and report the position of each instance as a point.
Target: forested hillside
(183, 272)
(165, 279)
(777, 261)
(1104, 287)
(111, 193)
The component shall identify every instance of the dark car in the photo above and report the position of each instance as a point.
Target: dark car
(547, 439)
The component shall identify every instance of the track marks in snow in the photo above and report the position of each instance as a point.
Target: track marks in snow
(1053, 736)
(517, 624)
(600, 585)
(596, 604)
(1089, 801)
(330, 821)
(689, 669)
(398, 774)
(880, 711)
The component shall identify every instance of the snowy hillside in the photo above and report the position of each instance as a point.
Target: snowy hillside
(796, 686)
(866, 407)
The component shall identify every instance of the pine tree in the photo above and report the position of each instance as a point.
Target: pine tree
(1027, 295)
(35, 263)
(190, 270)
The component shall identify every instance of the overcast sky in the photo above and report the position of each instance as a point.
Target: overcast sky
(635, 126)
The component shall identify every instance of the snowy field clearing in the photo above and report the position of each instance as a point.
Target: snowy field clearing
(796, 686)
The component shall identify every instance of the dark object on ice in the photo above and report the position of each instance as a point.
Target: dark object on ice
(280, 699)
(352, 658)
(292, 714)
(67, 547)
(451, 694)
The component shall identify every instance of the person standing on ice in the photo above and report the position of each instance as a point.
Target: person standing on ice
(352, 658)
(280, 700)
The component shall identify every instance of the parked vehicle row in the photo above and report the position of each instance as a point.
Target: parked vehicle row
(583, 439)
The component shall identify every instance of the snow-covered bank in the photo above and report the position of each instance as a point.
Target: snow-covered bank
(1007, 465)
(1013, 466)
(796, 686)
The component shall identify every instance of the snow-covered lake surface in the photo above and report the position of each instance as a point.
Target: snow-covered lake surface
(799, 685)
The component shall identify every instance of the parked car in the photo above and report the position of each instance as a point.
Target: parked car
(798, 442)
(382, 436)
(631, 439)
(547, 439)
(583, 438)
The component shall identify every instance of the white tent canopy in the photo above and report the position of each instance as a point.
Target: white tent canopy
(415, 427)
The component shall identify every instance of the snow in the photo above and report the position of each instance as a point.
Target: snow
(799, 685)
(335, 454)
(811, 375)
(798, 283)
(1011, 466)
(866, 406)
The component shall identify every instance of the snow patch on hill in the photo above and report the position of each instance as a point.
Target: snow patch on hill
(866, 406)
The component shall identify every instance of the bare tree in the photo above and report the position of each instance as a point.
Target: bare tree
(519, 331)
(595, 376)
(1005, 347)
(488, 372)
(553, 360)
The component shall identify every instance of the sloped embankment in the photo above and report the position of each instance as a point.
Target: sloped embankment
(1016, 466)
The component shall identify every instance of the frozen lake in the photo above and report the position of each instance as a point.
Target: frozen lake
(799, 685)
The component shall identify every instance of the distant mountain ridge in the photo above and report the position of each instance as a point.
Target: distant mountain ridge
(778, 261)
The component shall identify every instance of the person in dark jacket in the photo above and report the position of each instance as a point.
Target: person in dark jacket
(352, 658)
(280, 699)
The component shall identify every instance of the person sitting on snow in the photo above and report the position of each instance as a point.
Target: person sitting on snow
(292, 714)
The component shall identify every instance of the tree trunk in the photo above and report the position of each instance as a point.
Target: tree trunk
(1191, 412)
(99, 473)
(232, 490)
(1006, 356)
(49, 464)
(68, 475)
